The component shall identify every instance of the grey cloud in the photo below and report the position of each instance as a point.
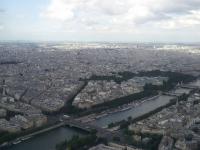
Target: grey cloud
(118, 13)
(180, 7)
(2, 10)
(156, 17)
(170, 10)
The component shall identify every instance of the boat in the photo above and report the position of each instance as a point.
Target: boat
(26, 138)
(16, 142)
(4, 144)
(154, 97)
(124, 109)
(100, 116)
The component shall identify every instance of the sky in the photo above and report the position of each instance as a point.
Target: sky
(100, 20)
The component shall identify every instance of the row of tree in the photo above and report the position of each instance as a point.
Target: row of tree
(149, 89)
(80, 143)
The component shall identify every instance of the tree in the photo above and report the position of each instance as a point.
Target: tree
(116, 139)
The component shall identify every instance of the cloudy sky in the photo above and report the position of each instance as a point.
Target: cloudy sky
(100, 20)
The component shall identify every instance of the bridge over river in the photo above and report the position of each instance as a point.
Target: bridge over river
(101, 132)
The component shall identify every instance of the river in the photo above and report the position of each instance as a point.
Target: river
(196, 83)
(48, 141)
(134, 112)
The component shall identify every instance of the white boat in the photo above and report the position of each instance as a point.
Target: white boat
(100, 116)
(4, 144)
(17, 142)
(124, 109)
(26, 138)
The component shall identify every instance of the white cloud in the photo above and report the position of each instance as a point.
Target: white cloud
(185, 21)
(1, 27)
(60, 10)
(122, 15)
(1, 10)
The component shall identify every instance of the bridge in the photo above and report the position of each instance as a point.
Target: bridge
(101, 132)
(193, 87)
(171, 94)
(25, 137)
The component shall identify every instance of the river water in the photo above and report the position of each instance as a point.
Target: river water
(196, 83)
(134, 112)
(48, 141)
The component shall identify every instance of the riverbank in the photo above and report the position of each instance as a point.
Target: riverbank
(131, 106)
(47, 140)
(125, 107)
(148, 90)
(146, 103)
(134, 112)
(125, 123)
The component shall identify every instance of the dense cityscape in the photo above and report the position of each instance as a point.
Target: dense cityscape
(99, 96)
